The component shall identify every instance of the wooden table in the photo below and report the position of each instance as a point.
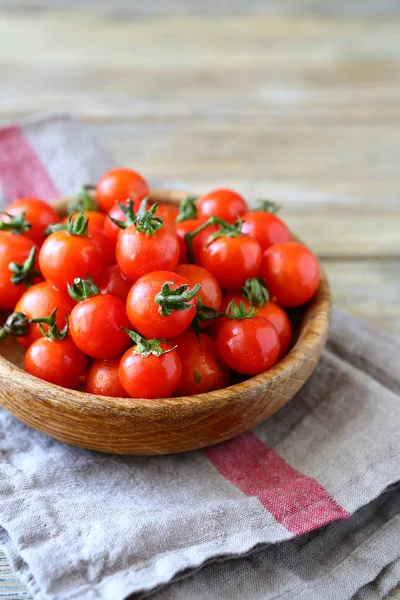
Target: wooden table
(295, 100)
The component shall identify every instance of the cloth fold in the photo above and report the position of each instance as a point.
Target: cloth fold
(305, 504)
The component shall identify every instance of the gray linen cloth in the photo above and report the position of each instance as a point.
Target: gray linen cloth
(306, 505)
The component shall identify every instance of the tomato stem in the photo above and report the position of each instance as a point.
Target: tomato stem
(267, 206)
(187, 210)
(225, 230)
(53, 332)
(204, 314)
(255, 292)
(145, 220)
(77, 225)
(237, 313)
(175, 299)
(82, 289)
(17, 324)
(83, 201)
(146, 347)
(17, 224)
(25, 272)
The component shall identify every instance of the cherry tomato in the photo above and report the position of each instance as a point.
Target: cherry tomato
(96, 218)
(116, 212)
(202, 370)
(118, 185)
(65, 256)
(291, 273)
(39, 301)
(56, 361)
(112, 281)
(168, 212)
(187, 227)
(210, 293)
(145, 314)
(13, 248)
(37, 212)
(95, 325)
(105, 244)
(266, 228)
(223, 203)
(249, 346)
(139, 253)
(150, 376)
(232, 260)
(103, 378)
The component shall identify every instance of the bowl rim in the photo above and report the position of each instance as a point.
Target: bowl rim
(316, 318)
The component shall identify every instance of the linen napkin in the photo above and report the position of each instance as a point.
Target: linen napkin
(306, 504)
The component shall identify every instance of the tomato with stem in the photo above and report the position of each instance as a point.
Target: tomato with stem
(118, 185)
(182, 229)
(265, 226)
(120, 212)
(38, 214)
(223, 203)
(18, 268)
(168, 212)
(103, 378)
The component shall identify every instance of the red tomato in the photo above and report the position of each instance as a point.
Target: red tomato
(112, 281)
(118, 185)
(187, 227)
(56, 361)
(168, 212)
(116, 212)
(95, 325)
(202, 370)
(232, 260)
(103, 379)
(150, 376)
(39, 301)
(38, 213)
(65, 257)
(105, 244)
(249, 346)
(210, 293)
(139, 253)
(223, 203)
(291, 273)
(266, 228)
(13, 248)
(96, 218)
(145, 314)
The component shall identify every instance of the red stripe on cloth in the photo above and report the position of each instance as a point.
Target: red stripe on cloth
(21, 171)
(296, 501)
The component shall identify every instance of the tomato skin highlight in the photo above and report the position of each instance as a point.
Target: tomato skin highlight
(64, 257)
(248, 346)
(152, 376)
(266, 228)
(103, 378)
(138, 253)
(202, 369)
(112, 281)
(37, 212)
(39, 301)
(144, 313)
(210, 293)
(95, 325)
(232, 260)
(291, 273)
(56, 361)
(223, 203)
(117, 185)
(13, 248)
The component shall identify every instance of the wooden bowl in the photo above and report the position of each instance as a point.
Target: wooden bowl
(128, 426)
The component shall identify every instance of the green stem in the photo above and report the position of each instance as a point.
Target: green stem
(17, 224)
(53, 332)
(255, 292)
(146, 347)
(25, 272)
(237, 313)
(82, 289)
(187, 210)
(175, 299)
(17, 324)
(192, 234)
(83, 201)
(204, 314)
(267, 206)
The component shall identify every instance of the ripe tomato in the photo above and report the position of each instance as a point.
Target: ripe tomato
(39, 301)
(202, 370)
(223, 203)
(96, 218)
(103, 379)
(118, 185)
(116, 212)
(249, 345)
(139, 253)
(291, 273)
(15, 249)
(266, 228)
(96, 323)
(71, 254)
(210, 293)
(37, 212)
(232, 260)
(150, 376)
(56, 361)
(156, 310)
(105, 245)
(112, 281)
(168, 212)
(182, 229)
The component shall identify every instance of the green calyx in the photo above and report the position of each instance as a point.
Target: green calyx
(78, 225)
(267, 206)
(53, 332)
(25, 272)
(175, 299)
(255, 292)
(187, 210)
(204, 314)
(128, 211)
(146, 347)
(84, 200)
(16, 224)
(237, 313)
(17, 324)
(145, 220)
(225, 230)
(82, 289)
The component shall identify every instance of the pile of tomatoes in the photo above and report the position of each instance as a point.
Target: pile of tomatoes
(127, 298)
